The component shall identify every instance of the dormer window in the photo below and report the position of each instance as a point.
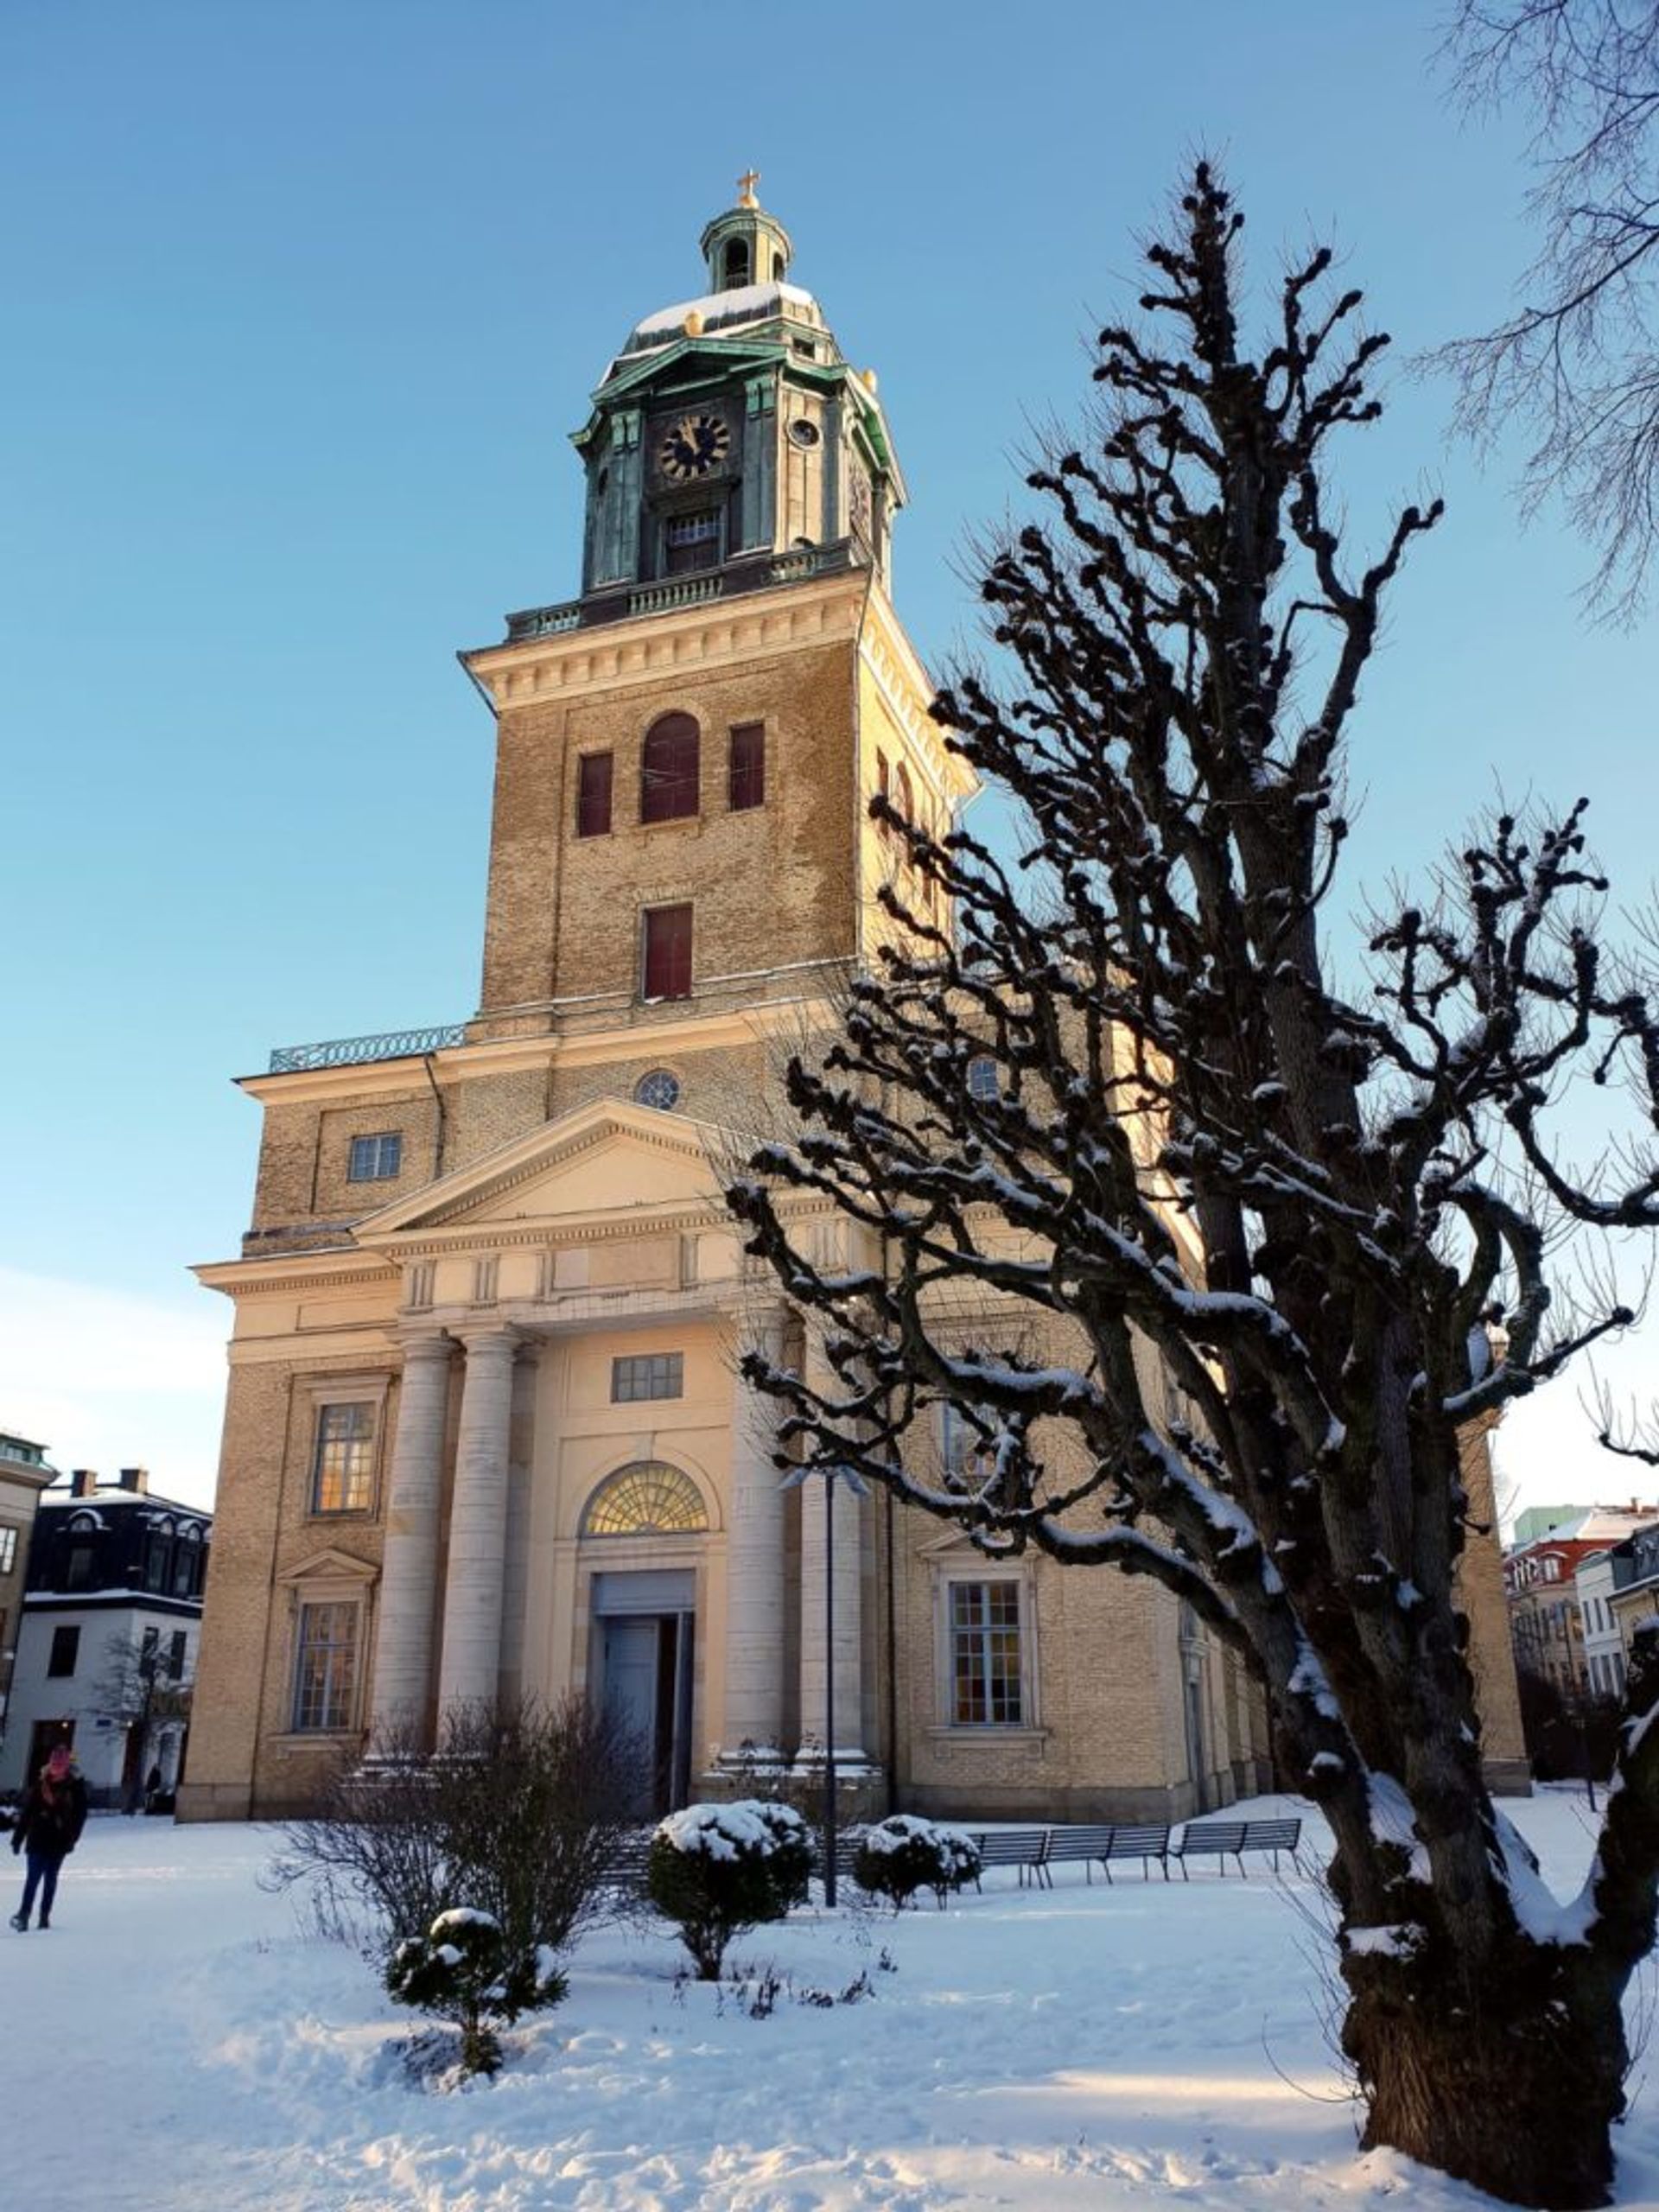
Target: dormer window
(736, 268)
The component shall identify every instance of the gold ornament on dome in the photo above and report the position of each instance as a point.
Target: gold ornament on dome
(746, 185)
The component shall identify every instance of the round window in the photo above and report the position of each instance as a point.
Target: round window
(803, 432)
(659, 1088)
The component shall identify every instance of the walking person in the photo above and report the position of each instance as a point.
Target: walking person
(49, 1823)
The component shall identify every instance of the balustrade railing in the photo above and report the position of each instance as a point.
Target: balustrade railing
(348, 1052)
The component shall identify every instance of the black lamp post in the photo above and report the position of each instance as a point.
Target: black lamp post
(859, 1487)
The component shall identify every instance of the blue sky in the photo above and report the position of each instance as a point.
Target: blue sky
(299, 306)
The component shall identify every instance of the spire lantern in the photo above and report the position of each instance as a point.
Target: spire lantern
(745, 245)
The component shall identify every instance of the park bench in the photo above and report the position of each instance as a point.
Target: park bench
(1145, 1843)
(1018, 1847)
(1064, 1847)
(1234, 1839)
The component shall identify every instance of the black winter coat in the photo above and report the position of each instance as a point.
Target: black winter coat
(51, 1826)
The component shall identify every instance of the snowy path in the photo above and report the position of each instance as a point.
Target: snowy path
(174, 2046)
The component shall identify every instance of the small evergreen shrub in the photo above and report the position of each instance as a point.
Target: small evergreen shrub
(905, 1853)
(716, 1869)
(463, 1969)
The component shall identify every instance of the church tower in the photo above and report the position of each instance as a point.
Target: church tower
(485, 1436)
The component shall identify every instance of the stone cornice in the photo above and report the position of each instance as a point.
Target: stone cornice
(791, 618)
(282, 1271)
(729, 1029)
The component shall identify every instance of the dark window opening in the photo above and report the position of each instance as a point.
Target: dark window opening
(668, 770)
(777, 268)
(65, 1650)
(747, 782)
(692, 542)
(80, 1574)
(175, 1655)
(158, 1557)
(667, 953)
(737, 265)
(593, 795)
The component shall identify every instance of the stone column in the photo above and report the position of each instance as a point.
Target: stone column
(755, 1575)
(403, 1649)
(845, 1539)
(468, 1671)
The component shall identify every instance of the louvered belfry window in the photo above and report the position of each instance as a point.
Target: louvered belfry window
(668, 769)
(667, 953)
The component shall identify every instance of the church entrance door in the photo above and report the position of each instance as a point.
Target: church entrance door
(644, 1638)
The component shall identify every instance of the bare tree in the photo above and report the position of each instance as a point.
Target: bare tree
(1578, 362)
(1206, 1269)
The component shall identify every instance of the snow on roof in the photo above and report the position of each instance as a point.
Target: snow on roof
(744, 304)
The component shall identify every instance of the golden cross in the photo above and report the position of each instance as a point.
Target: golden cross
(746, 185)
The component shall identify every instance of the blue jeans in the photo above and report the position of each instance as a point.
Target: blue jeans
(43, 1876)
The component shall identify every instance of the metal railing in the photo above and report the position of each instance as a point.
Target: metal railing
(348, 1052)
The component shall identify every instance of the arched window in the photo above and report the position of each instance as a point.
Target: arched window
(904, 797)
(645, 1499)
(668, 769)
(737, 265)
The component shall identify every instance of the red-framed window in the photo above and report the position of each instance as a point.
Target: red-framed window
(593, 794)
(747, 768)
(666, 953)
(668, 769)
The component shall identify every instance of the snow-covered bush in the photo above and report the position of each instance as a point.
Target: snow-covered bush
(464, 1969)
(905, 1853)
(715, 1870)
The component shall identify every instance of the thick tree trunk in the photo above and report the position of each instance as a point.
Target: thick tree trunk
(1516, 2092)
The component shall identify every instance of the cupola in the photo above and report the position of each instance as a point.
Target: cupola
(745, 245)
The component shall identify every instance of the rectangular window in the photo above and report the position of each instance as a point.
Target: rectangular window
(147, 1648)
(692, 542)
(8, 1550)
(342, 1474)
(184, 1568)
(156, 1550)
(79, 1574)
(654, 1375)
(593, 795)
(985, 1688)
(375, 1159)
(667, 953)
(747, 782)
(325, 1674)
(65, 1650)
(175, 1655)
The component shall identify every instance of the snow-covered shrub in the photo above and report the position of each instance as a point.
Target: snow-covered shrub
(715, 1870)
(464, 1969)
(905, 1853)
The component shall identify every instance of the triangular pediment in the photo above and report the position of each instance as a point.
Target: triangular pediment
(330, 1566)
(608, 1160)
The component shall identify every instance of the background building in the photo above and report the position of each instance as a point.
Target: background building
(23, 1475)
(107, 1647)
(1539, 1580)
(485, 1434)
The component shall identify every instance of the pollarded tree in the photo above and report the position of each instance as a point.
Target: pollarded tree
(1206, 1267)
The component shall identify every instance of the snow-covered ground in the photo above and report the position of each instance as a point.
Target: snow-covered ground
(176, 2041)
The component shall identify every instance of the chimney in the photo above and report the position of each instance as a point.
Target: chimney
(136, 1479)
(83, 1481)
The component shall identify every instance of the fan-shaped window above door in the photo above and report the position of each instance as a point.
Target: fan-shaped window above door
(645, 1499)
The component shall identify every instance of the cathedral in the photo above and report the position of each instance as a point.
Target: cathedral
(484, 1436)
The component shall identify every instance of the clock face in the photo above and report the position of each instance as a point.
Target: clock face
(696, 444)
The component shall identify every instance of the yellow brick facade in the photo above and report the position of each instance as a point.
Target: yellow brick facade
(451, 1385)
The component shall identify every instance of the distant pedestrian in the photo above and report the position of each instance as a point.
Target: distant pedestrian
(49, 1823)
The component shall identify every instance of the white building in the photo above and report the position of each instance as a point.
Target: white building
(1604, 1648)
(106, 1641)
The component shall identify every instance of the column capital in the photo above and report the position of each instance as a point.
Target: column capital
(421, 1346)
(491, 1338)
